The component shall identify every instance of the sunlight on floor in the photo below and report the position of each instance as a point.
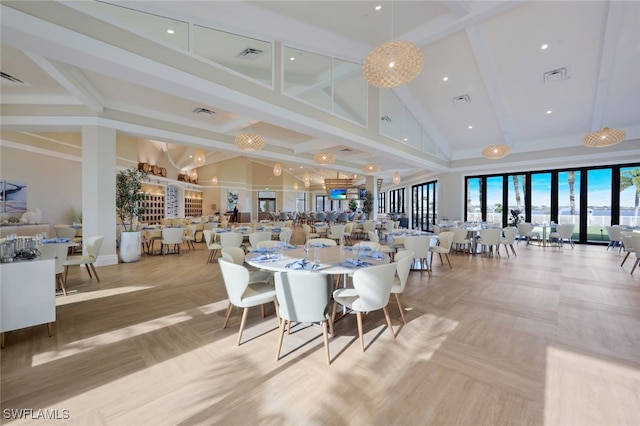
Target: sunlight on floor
(97, 294)
(585, 390)
(124, 333)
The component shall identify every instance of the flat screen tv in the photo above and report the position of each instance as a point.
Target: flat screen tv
(338, 194)
(362, 193)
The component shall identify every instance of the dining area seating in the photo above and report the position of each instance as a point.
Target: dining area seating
(92, 246)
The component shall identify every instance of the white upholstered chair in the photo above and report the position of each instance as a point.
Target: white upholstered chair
(236, 255)
(509, 239)
(304, 297)
(403, 267)
(445, 238)
(59, 251)
(614, 236)
(92, 245)
(419, 245)
(563, 232)
(243, 293)
(627, 241)
(213, 247)
(526, 232)
(171, 237)
(371, 291)
(490, 238)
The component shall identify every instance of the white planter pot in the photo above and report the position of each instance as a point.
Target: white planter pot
(130, 246)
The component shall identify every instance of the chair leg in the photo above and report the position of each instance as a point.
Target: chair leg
(245, 314)
(513, 250)
(66, 270)
(63, 285)
(86, 265)
(94, 271)
(386, 315)
(280, 338)
(448, 261)
(359, 317)
(227, 315)
(634, 265)
(401, 308)
(326, 341)
(625, 258)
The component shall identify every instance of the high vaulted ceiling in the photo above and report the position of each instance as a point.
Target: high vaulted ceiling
(77, 62)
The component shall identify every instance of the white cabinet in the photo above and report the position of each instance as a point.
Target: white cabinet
(27, 294)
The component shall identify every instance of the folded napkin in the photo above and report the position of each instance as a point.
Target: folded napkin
(55, 240)
(299, 264)
(223, 230)
(265, 258)
(375, 255)
(320, 245)
(265, 250)
(276, 229)
(260, 229)
(356, 263)
(360, 248)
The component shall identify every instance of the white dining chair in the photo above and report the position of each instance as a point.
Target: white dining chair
(92, 245)
(213, 247)
(563, 232)
(243, 293)
(403, 267)
(508, 239)
(236, 255)
(370, 292)
(171, 237)
(304, 298)
(445, 239)
(490, 238)
(59, 251)
(419, 245)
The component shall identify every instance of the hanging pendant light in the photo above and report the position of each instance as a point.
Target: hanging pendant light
(324, 158)
(493, 152)
(198, 158)
(396, 177)
(392, 64)
(193, 174)
(305, 178)
(249, 141)
(214, 180)
(307, 184)
(370, 168)
(277, 169)
(604, 137)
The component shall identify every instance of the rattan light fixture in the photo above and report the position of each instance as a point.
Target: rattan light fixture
(493, 152)
(324, 158)
(604, 137)
(305, 178)
(396, 177)
(392, 64)
(198, 158)
(277, 169)
(249, 142)
(370, 168)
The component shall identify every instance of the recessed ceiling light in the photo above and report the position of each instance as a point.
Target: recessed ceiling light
(191, 156)
(445, 79)
(549, 111)
(544, 46)
(170, 32)
(406, 139)
(292, 58)
(378, 7)
(470, 127)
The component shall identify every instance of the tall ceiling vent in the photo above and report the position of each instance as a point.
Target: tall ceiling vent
(461, 100)
(555, 75)
(250, 53)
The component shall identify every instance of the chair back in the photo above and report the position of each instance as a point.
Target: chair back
(389, 226)
(613, 232)
(524, 229)
(93, 244)
(372, 244)
(279, 224)
(320, 216)
(490, 237)
(172, 235)
(336, 231)
(565, 230)
(267, 244)
(64, 231)
(285, 235)
(403, 267)
(343, 217)
(230, 239)
(446, 239)
(635, 242)
(368, 225)
(419, 244)
(233, 255)
(436, 229)
(236, 280)
(190, 231)
(306, 229)
(303, 296)
(509, 234)
(58, 251)
(402, 254)
(459, 235)
(208, 236)
(256, 237)
(373, 285)
(348, 227)
(373, 237)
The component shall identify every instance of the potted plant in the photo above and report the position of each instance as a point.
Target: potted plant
(367, 204)
(129, 206)
(353, 205)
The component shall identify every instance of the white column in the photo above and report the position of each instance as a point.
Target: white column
(372, 186)
(99, 189)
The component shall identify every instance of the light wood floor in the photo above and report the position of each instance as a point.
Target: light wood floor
(550, 337)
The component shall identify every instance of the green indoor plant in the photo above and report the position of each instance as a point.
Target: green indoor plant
(129, 207)
(353, 205)
(367, 204)
(129, 198)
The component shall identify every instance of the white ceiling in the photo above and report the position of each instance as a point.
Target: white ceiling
(489, 50)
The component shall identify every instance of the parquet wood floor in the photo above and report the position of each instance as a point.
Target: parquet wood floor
(550, 337)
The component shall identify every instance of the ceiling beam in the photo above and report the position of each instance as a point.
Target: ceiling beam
(72, 80)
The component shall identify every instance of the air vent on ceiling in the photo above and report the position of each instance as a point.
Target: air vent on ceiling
(203, 111)
(555, 75)
(461, 100)
(10, 78)
(250, 53)
(386, 118)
